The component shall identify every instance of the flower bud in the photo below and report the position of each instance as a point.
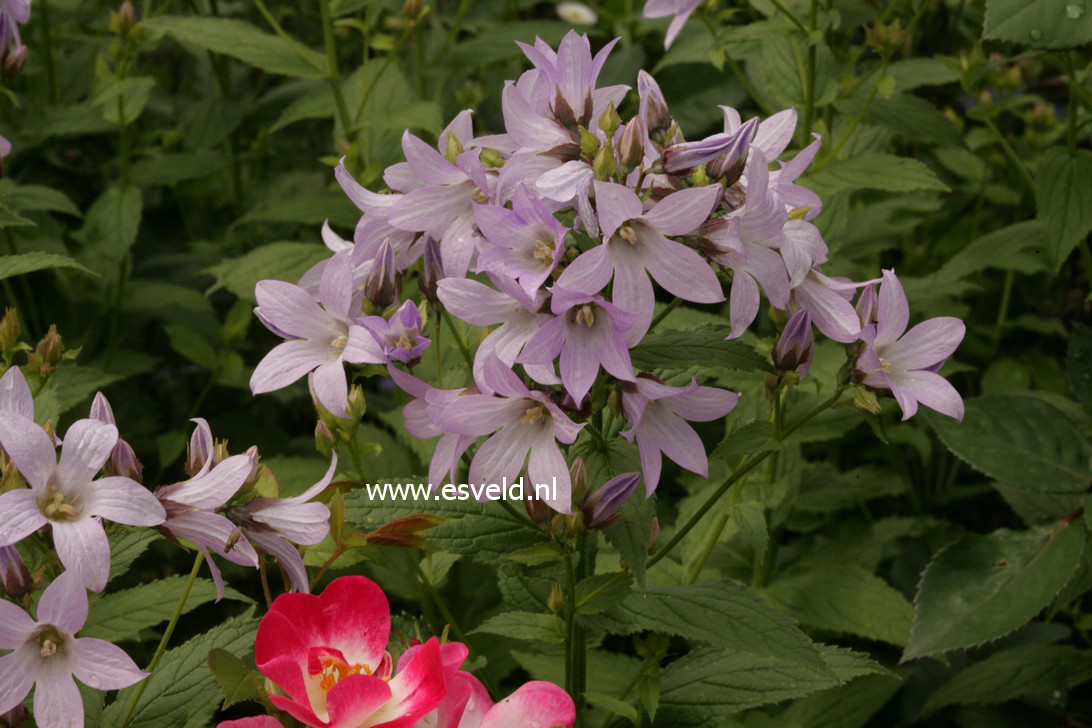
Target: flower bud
(411, 9)
(380, 285)
(727, 169)
(124, 462)
(794, 347)
(199, 449)
(601, 510)
(14, 577)
(578, 475)
(324, 439)
(255, 466)
(14, 61)
(604, 165)
(491, 158)
(539, 512)
(432, 270)
(123, 18)
(101, 410)
(699, 176)
(15, 717)
(867, 306)
(684, 156)
(563, 112)
(631, 148)
(654, 535)
(357, 404)
(555, 602)
(51, 347)
(9, 330)
(589, 143)
(610, 121)
(866, 400)
(452, 148)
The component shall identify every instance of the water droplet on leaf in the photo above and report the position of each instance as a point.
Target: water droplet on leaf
(1035, 33)
(1074, 11)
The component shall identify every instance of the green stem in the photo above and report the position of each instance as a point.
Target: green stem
(299, 49)
(809, 86)
(1086, 256)
(570, 624)
(123, 142)
(439, 338)
(164, 640)
(709, 546)
(333, 76)
(664, 313)
(856, 121)
(1003, 307)
(1011, 154)
(792, 18)
(47, 42)
(460, 343)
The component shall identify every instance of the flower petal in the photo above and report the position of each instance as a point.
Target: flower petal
(545, 464)
(287, 362)
(16, 627)
(82, 547)
(57, 702)
(103, 666)
(680, 213)
(614, 205)
(535, 704)
(476, 303)
(894, 310)
(331, 390)
(15, 394)
(502, 456)
(87, 447)
(681, 271)
(64, 603)
(16, 677)
(414, 691)
(29, 447)
(20, 516)
(927, 344)
(928, 388)
(293, 312)
(123, 500)
(589, 273)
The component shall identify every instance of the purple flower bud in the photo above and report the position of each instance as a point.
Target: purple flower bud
(101, 409)
(252, 453)
(14, 61)
(124, 462)
(725, 148)
(199, 451)
(14, 577)
(631, 148)
(9, 330)
(867, 307)
(432, 272)
(795, 346)
(380, 285)
(601, 509)
(15, 717)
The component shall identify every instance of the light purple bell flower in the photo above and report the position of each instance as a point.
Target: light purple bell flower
(399, 337)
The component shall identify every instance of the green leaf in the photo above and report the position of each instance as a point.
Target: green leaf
(126, 547)
(495, 43)
(183, 690)
(722, 613)
(531, 626)
(111, 226)
(847, 706)
(316, 104)
(876, 171)
(782, 56)
(751, 437)
(1078, 363)
(844, 599)
(1063, 185)
(170, 169)
(239, 683)
(132, 95)
(279, 261)
(983, 587)
(600, 592)
(192, 346)
(1039, 23)
(632, 534)
(243, 41)
(36, 198)
(307, 208)
(17, 265)
(1019, 440)
(681, 349)
(123, 614)
(614, 706)
(1035, 669)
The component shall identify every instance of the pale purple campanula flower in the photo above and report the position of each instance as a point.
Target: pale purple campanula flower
(46, 655)
(421, 417)
(601, 509)
(570, 74)
(680, 11)
(399, 337)
(13, 13)
(587, 332)
(66, 496)
(321, 333)
(524, 426)
(276, 524)
(685, 156)
(906, 362)
(657, 415)
(381, 280)
(507, 305)
(795, 346)
(527, 241)
(827, 301)
(191, 505)
(635, 248)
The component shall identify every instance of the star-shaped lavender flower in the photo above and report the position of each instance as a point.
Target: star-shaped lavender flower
(322, 335)
(46, 655)
(635, 248)
(66, 495)
(527, 240)
(587, 332)
(524, 426)
(657, 415)
(906, 362)
(399, 337)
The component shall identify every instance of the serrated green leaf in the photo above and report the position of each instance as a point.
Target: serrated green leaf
(751, 437)
(601, 592)
(844, 599)
(1019, 440)
(170, 169)
(681, 349)
(1014, 673)
(846, 706)
(631, 536)
(241, 40)
(1063, 183)
(1039, 23)
(1078, 363)
(182, 687)
(123, 614)
(983, 587)
(722, 613)
(876, 171)
(126, 547)
(192, 345)
(239, 683)
(111, 226)
(17, 265)
(532, 626)
(283, 261)
(36, 198)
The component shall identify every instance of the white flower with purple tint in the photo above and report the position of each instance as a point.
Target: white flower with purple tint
(47, 655)
(527, 241)
(636, 248)
(322, 335)
(15, 394)
(399, 337)
(657, 414)
(66, 496)
(906, 362)
(727, 148)
(680, 11)
(586, 333)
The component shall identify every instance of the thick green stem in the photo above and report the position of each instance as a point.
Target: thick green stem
(664, 313)
(164, 640)
(460, 343)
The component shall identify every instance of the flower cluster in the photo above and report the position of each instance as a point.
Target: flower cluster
(557, 233)
(329, 655)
